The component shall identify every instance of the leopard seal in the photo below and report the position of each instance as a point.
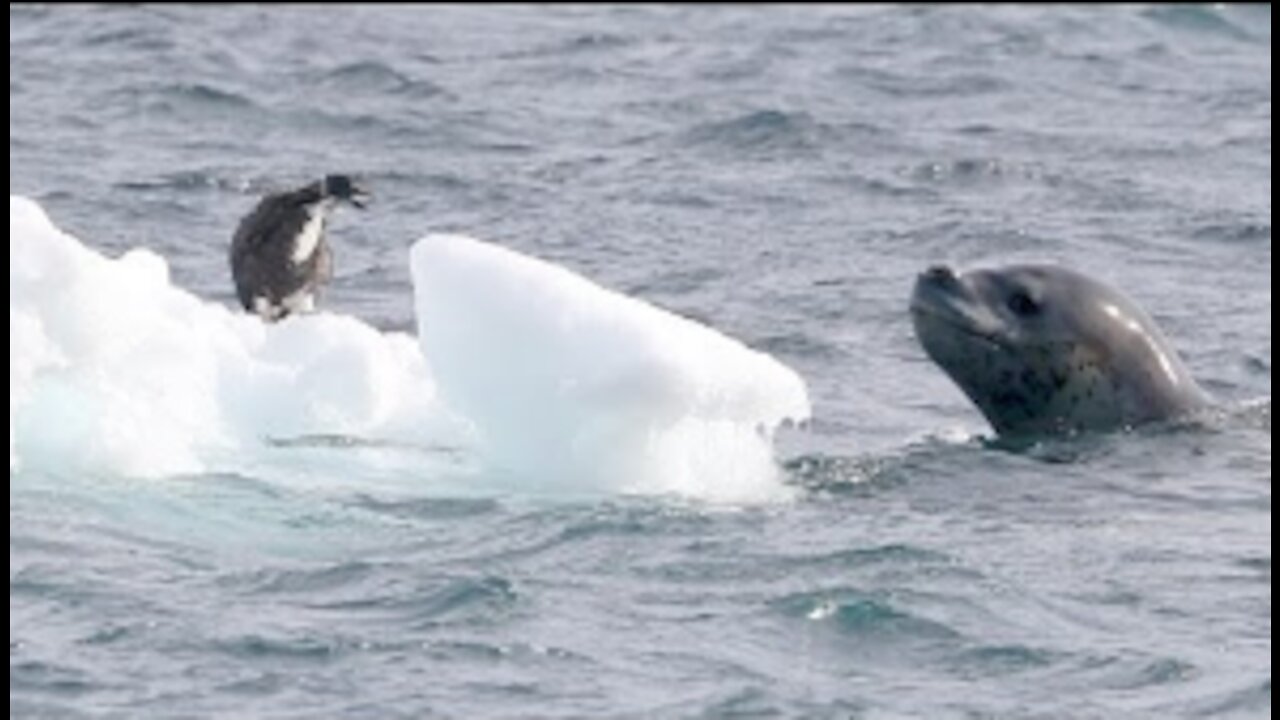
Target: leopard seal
(1045, 350)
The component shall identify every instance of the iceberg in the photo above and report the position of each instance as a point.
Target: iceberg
(542, 378)
(579, 382)
(115, 370)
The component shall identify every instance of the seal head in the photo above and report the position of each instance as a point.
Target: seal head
(1043, 350)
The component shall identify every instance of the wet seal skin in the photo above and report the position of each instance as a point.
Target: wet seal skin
(1045, 351)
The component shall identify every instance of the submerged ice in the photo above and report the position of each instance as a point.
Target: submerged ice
(545, 377)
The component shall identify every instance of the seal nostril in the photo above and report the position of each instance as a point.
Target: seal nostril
(940, 274)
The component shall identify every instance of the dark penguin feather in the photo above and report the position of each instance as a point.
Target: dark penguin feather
(279, 256)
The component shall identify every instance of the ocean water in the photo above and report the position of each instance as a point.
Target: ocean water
(778, 173)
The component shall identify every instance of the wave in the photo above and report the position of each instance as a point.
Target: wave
(971, 172)
(50, 679)
(189, 181)
(1202, 19)
(581, 44)
(1253, 701)
(866, 616)
(377, 78)
(1242, 233)
(938, 86)
(203, 96)
(763, 130)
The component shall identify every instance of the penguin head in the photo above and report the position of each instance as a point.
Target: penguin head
(344, 187)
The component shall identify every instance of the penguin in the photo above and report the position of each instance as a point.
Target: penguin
(279, 255)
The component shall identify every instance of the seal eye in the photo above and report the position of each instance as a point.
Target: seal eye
(1022, 305)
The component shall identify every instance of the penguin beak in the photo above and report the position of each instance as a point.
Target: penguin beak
(359, 196)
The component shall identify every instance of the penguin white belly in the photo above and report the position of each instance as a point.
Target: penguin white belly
(308, 239)
(303, 301)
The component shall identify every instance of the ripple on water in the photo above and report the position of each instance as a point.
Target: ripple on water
(581, 44)
(255, 684)
(466, 602)
(1166, 671)
(802, 345)
(1252, 701)
(203, 96)
(44, 584)
(763, 131)
(185, 181)
(377, 79)
(194, 101)
(900, 86)
(869, 616)
(1258, 365)
(1259, 415)
(973, 173)
(476, 652)
(824, 475)
(52, 711)
(1132, 674)
(114, 634)
(1243, 233)
(897, 555)
(993, 661)
(473, 601)
(871, 476)
(1203, 19)
(326, 579)
(262, 648)
(430, 509)
(1262, 566)
(679, 281)
(49, 679)
(27, 13)
(135, 39)
(744, 703)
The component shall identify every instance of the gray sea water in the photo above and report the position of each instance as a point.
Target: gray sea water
(780, 173)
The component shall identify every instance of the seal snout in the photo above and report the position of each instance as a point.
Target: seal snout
(936, 288)
(939, 275)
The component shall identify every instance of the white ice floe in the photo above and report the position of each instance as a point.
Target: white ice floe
(115, 370)
(548, 379)
(576, 384)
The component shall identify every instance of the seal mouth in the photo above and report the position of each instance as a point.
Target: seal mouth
(949, 321)
(937, 300)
